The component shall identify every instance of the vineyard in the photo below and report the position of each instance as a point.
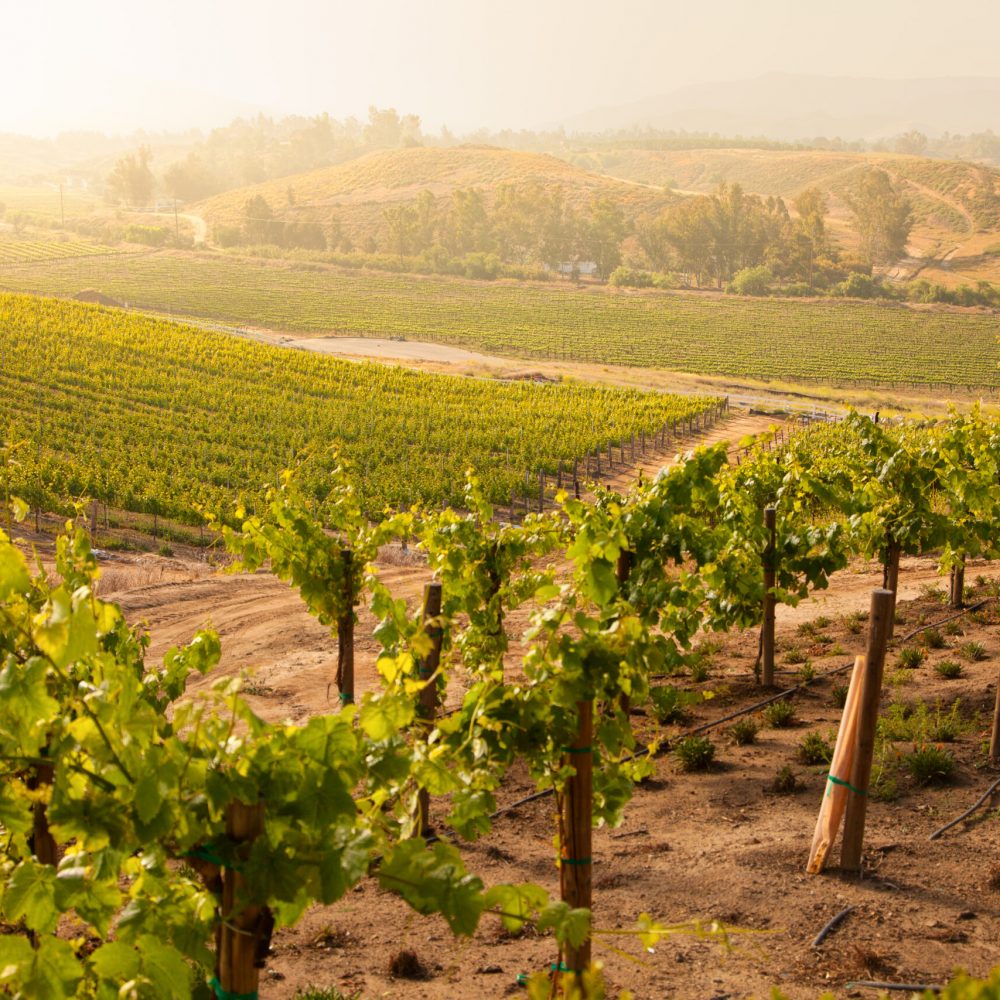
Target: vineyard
(772, 339)
(25, 252)
(195, 829)
(154, 417)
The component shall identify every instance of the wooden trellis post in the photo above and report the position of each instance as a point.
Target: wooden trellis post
(770, 573)
(345, 634)
(880, 622)
(427, 669)
(243, 933)
(575, 863)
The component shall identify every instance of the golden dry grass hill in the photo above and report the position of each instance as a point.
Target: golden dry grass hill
(358, 191)
(956, 238)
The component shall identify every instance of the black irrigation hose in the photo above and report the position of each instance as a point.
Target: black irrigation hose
(944, 621)
(704, 728)
(787, 692)
(968, 812)
(870, 984)
(832, 925)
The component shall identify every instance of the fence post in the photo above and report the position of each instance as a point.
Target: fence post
(575, 864)
(880, 621)
(767, 632)
(238, 958)
(427, 668)
(345, 634)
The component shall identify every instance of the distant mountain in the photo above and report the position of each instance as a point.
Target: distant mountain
(793, 107)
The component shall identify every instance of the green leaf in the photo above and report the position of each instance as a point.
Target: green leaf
(14, 576)
(30, 895)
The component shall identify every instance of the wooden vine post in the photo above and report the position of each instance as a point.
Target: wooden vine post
(244, 935)
(770, 573)
(428, 668)
(879, 625)
(345, 634)
(623, 570)
(890, 577)
(958, 584)
(995, 737)
(43, 844)
(575, 863)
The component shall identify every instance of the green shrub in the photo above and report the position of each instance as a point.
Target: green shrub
(671, 704)
(744, 732)
(839, 695)
(751, 281)
(779, 714)
(785, 781)
(949, 669)
(934, 639)
(814, 749)
(973, 651)
(930, 765)
(911, 657)
(694, 753)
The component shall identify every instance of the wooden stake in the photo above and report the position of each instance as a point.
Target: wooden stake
(345, 634)
(43, 844)
(880, 620)
(623, 570)
(891, 579)
(958, 584)
(767, 631)
(428, 668)
(995, 738)
(576, 866)
(238, 958)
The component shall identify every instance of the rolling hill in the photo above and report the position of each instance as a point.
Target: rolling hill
(358, 191)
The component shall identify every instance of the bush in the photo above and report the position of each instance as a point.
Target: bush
(630, 277)
(859, 286)
(930, 765)
(694, 753)
(670, 703)
(839, 695)
(785, 781)
(934, 639)
(973, 651)
(779, 714)
(911, 657)
(744, 732)
(813, 749)
(751, 281)
(150, 236)
(949, 669)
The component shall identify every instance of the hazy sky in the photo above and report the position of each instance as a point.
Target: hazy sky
(119, 64)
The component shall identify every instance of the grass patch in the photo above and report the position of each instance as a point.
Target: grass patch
(779, 714)
(694, 753)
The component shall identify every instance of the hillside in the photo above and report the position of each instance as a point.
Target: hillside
(957, 204)
(358, 191)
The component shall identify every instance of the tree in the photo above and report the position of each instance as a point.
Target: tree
(191, 179)
(259, 220)
(883, 216)
(606, 228)
(912, 142)
(131, 180)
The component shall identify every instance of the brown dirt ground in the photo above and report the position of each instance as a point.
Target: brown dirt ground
(720, 845)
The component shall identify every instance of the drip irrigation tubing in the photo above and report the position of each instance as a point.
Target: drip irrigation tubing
(871, 984)
(944, 621)
(831, 925)
(968, 812)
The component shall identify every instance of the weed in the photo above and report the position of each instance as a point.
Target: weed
(855, 622)
(807, 673)
(934, 638)
(918, 724)
(806, 629)
(973, 651)
(839, 695)
(785, 781)
(814, 749)
(405, 964)
(709, 647)
(744, 732)
(837, 650)
(934, 591)
(694, 753)
(329, 993)
(953, 628)
(794, 656)
(949, 669)
(899, 618)
(930, 765)
(779, 714)
(911, 657)
(822, 621)
(900, 677)
(165, 550)
(670, 704)
(699, 671)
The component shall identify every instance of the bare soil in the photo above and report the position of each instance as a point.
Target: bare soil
(720, 845)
